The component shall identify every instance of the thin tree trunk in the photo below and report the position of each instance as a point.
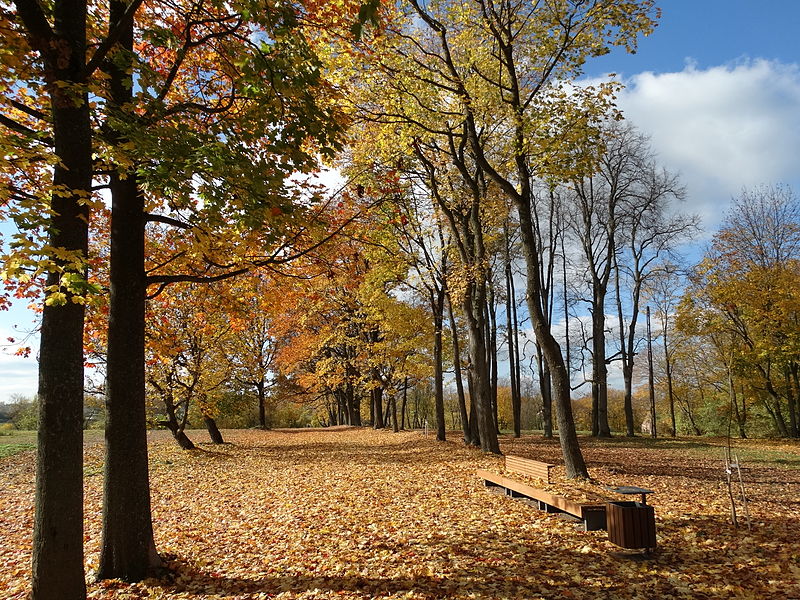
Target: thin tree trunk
(516, 404)
(671, 397)
(372, 408)
(516, 366)
(437, 303)
(546, 390)
(735, 406)
(743, 415)
(792, 402)
(403, 406)
(395, 426)
(262, 405)
(58, 522)
(491, 359)
(650, 379)
(670, 394)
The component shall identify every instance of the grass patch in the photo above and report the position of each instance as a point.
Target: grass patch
(10, 449)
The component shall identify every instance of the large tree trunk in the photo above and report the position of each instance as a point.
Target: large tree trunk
(570, 449)
(128, 550)
(58, 521)
(474, 307)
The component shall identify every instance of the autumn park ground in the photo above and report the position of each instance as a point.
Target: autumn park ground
(357, 513)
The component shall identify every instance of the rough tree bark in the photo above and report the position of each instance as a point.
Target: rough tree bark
(58, 521)
(128, 550)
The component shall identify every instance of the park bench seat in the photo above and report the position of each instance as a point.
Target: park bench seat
(592, 514)
(530, 467)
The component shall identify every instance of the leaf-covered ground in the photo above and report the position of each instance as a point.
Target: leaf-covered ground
(354, 513)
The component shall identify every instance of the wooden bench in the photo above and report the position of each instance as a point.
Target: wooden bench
(592, 514)
(530, 467)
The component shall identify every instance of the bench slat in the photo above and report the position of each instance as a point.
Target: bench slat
(527, 466)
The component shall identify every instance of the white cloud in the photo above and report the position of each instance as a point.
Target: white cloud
(19, 376)
(721, 128)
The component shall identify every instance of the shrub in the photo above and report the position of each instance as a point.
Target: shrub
(25, 414)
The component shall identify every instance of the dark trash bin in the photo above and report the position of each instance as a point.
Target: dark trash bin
(631, 525)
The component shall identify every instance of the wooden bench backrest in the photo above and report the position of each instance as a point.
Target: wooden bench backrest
(527, 466)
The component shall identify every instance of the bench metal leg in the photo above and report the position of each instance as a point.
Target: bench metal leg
(548, 508)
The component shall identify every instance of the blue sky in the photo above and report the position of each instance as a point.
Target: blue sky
(711, 33)
(716, 86)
